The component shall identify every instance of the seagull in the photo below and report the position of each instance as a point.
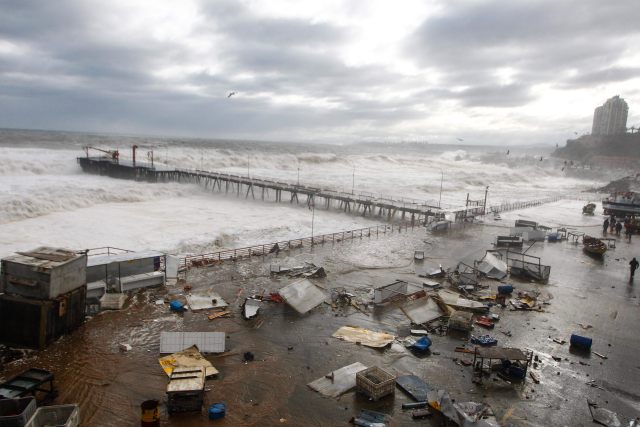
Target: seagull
(231, 94)
(460, 139)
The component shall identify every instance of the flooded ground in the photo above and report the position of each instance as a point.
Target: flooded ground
(292, 350)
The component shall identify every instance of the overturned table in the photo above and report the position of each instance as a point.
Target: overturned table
(511, 355)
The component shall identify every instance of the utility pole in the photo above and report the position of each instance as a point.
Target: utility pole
(441, 179)
(484, 207)
(353, 180)
(248, 173)
(313, 215)
(298, 172)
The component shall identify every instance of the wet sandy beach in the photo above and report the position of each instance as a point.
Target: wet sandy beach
(292, 350)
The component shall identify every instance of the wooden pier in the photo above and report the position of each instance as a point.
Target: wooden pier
(385, 207)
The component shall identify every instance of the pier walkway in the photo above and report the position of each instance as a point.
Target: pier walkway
(365, 204)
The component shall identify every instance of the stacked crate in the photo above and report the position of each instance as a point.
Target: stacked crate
(44, 295)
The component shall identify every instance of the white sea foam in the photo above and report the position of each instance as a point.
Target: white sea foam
(46, 199)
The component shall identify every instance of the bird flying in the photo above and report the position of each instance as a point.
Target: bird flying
(460, 139)
(231, 94)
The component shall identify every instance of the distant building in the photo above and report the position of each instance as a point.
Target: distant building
(611, 117)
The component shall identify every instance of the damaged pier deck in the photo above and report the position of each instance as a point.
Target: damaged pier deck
(264, 189)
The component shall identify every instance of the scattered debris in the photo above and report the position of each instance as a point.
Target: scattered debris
(302, 295)
(534, 377)
(423, 310)
(492, 266)
(250, 308)
(375, 382)
(225, 313)
(459, 303)
(187, 358)
(603, 416)
(339, 381)
(185, 391)
(580, 342)
(461, 321)
(248, 357)
(422, 344)
(418, 255)
(399, 289)
(485, 322)
(602, 356)
(368, 418)
(484, 340)
(364, 336)
(207, 342)
(125, 347)
(205, 301)
(112, 301)
(415, 387)
(307, 271)
(176, 306)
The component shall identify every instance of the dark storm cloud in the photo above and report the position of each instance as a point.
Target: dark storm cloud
(75, 67)
(540, 40)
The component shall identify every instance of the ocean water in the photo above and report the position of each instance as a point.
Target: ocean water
(45, 198)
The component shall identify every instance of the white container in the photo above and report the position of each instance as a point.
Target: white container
(56, 416)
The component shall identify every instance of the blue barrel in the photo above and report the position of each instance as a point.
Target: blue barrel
(176, 305)
(505, 289)
(217, 411)
(580, 341)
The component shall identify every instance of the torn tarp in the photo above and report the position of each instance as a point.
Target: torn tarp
(364, 336)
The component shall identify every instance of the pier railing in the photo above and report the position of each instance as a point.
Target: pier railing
(265, 249)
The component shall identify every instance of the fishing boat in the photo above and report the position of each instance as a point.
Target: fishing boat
(593, 245)
(622, 204)
(589, 209)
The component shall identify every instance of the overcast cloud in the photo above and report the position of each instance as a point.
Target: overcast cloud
(341, 71)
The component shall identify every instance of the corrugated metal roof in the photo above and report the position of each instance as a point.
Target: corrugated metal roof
(44, 257)
(128, 256)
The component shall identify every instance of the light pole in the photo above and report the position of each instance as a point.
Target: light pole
(441, 179)
(484, 207)
(298, 172)
(248, 174)
(313, 216)
(353, 180)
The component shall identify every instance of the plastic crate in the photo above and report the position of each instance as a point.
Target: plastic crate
(375, 382)
(56, 416)
(16, 412)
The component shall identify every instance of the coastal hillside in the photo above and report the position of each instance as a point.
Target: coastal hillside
(628, 183)
(594, 149)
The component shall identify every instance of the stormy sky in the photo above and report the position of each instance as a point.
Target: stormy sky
(505, 72)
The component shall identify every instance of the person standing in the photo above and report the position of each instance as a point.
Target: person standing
(605, 225)
(633, 265)
(618, 227)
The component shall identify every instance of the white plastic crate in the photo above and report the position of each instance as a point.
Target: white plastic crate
(56, 416)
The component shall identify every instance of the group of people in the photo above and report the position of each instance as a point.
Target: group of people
(611, 225)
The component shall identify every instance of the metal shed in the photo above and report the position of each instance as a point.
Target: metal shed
(43, 273)
(126, 271)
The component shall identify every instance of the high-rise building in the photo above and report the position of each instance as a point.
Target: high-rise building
(611, 117)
